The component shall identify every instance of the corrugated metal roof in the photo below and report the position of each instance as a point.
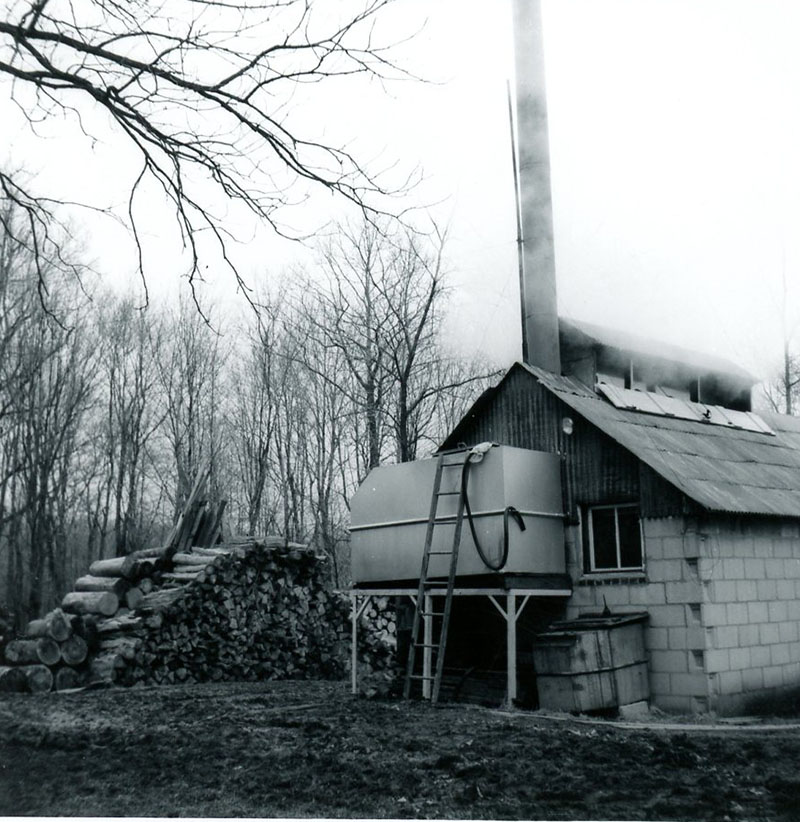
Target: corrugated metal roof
(721, 468)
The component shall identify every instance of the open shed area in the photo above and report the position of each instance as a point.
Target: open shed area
(309, 749)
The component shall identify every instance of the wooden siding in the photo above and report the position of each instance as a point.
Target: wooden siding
(524, 414)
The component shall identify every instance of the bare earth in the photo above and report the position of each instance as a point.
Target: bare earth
(293, 749)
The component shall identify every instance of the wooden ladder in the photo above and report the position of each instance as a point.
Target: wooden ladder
(447, 460)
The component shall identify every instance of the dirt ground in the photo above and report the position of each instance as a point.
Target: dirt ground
(294, 749)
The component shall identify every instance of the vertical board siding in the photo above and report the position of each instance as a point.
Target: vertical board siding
(524, 414)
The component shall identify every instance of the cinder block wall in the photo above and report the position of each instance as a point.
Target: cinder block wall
(750, 572)
(670, 590)
(723, 596)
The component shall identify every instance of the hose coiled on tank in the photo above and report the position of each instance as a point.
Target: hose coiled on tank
(510, 511)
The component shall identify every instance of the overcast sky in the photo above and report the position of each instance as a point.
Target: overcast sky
(675, 144)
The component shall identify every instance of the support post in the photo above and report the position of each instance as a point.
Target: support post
(511, 649)
(354, 642)
(427, 651)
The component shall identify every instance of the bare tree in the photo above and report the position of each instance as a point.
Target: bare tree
(190, 359)
(209, 94)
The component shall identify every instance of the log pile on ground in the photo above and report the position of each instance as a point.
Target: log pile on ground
(246, 609)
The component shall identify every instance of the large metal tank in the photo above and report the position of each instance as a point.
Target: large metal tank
(389, 516)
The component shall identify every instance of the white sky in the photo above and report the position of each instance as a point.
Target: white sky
(675, 144)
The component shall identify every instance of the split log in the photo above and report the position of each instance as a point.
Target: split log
(12, 679)
(116, 585)
(122, 623)
(125, 647)
(91, 602)
(191, 559)
(43, 649)
(149, 553)
(56, 625)
(106, 666)
(184, 576)
(39, 678)
(116, 567)
(67, 678)
(74, 650)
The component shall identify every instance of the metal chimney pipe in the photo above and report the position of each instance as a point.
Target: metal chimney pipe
(539, 308)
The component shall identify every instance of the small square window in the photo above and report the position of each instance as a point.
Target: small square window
(614, 537)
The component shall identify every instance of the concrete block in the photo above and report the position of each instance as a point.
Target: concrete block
(737, 613)
(696, 638)
(730, 682)
(784, 588)
(754, 568)
(775, 568)
(583, 596)
(669, 662)
(793, 609)
(638, 595)
(688, 684)
(768, 633)
(773, 676)
(792, 567)
(635, 711)
(797, 588)
(616, 596)
(767, 589)
(664, 570)
(739, 658)
(657, 639)
(748, 635)
(717, 614)
(788, 632)
(783, 548)
(673, 547)
(746, 590)
(732, 568)
(717, 660)
(779, 654)
(744, 548)
(723, 590)
(726, 636)
(778, 612)
(684, 591)
(759, 656)
(757, 612)
(662, 527)
(752, 679)
(667, 616)
(655, 594)
(677, 639)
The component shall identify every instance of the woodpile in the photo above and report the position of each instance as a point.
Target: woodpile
(241, 610)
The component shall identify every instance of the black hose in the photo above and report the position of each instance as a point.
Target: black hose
(509, 511)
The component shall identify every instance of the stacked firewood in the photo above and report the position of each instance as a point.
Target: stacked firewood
(245, 609)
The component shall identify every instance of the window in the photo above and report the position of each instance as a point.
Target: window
(613, 538)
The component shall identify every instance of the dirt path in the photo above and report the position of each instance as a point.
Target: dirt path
(309, 749)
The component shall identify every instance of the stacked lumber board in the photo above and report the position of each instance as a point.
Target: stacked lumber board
(246, 609)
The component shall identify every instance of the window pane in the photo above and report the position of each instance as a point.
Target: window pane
(630, 537)
(605, 539)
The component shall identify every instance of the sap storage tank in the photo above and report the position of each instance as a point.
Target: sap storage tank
(389, 516)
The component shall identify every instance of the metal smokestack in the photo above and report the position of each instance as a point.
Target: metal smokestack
(538, 274)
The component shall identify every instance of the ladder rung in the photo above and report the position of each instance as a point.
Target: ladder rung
(440, 553)
(452, 464)
(427, 645)
(431, 613)
(447, 493)
(421, 676)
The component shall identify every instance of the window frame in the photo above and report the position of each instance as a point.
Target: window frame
(589, 532)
